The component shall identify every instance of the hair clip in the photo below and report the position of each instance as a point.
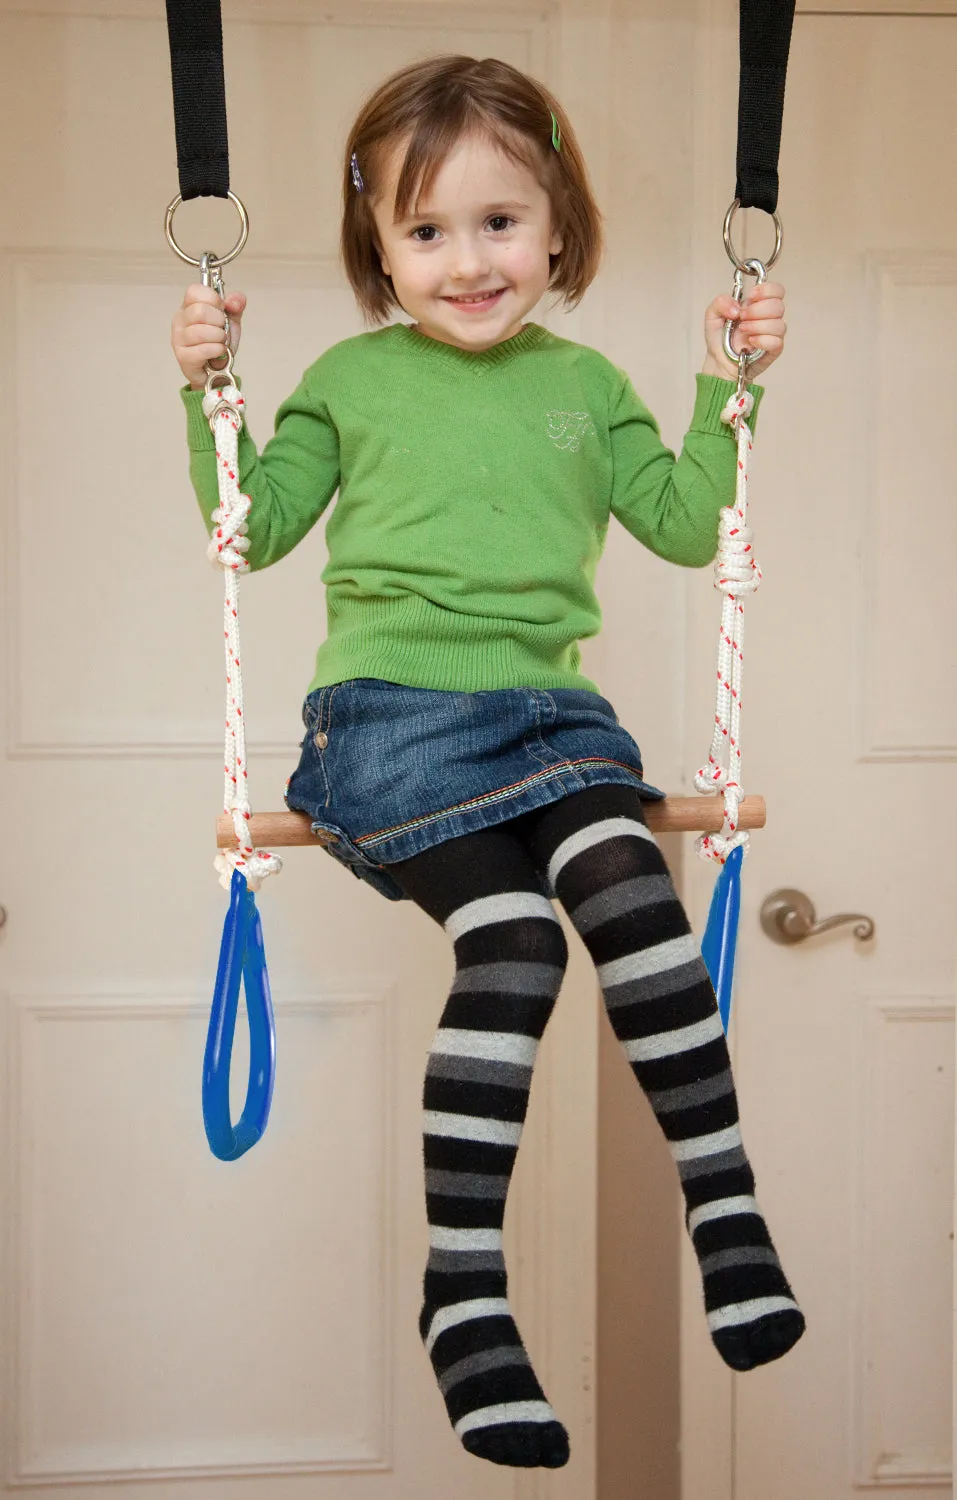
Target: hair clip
(356, 174)
(556, 132)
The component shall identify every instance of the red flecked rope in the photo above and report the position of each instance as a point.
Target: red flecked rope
(227, 544)
(736, 574)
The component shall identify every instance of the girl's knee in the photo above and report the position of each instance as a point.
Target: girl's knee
(522, 940)
(536, 941)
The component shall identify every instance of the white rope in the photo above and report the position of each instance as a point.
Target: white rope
(736, 574)
(227, 544)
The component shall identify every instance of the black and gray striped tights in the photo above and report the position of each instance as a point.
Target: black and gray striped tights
(485, 889)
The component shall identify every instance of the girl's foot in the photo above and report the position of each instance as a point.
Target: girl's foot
(494, 1401)
(752, 1314)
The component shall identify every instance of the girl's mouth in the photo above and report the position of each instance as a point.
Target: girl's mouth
(478, 301)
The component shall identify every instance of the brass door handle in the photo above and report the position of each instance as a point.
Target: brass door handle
(788, 916)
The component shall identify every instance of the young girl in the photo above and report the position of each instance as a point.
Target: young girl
(455, 755)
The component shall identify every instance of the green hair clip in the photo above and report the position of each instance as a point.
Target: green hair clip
(556, 132)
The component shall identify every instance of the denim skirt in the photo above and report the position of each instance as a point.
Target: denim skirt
(387, 771)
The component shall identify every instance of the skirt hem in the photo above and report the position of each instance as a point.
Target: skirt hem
(491, 810)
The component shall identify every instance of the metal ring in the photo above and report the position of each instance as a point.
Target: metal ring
(219, 260)
(729, 245)
(225, 375)
(225, 406)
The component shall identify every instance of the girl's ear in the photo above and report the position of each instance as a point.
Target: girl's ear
(556, 244)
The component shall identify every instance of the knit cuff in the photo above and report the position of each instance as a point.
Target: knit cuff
(199, 434)
(712, 398)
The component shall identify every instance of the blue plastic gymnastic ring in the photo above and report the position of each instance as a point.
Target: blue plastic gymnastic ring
(721, 933)
(242, 960)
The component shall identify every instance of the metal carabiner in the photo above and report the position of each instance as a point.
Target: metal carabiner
(743, 360)
(212, 276)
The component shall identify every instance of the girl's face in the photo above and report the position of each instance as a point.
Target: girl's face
(473, 261)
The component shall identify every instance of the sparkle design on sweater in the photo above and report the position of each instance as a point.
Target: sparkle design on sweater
(568, 428)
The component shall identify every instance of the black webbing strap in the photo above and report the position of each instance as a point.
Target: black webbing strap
(199, 97)
(764, 41)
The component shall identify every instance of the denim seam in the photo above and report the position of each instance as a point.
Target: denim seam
(343, 843)
(538, 731)
(552, 767)
(332, 693)
(578, 781)
(323, 720)
(537, 695)
(380, 835)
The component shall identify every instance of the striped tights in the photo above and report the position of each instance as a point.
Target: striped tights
(485, 889)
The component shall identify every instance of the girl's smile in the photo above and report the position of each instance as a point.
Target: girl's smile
(478, 301)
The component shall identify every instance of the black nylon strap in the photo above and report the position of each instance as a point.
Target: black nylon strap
(765, 38)
(199, 97)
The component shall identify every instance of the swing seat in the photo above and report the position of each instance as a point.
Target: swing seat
(282, 830)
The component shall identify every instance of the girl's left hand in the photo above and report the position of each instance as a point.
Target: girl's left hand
(761, 325)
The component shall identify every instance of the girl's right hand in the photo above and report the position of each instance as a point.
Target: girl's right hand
(199, 331)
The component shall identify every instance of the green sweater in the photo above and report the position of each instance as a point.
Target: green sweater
(474, 498)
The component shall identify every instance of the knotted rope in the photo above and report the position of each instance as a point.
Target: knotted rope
(736, 574)
(227, 544)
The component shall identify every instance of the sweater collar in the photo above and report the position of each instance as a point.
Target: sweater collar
(530, 337)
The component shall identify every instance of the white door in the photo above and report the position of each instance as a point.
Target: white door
(166, 1317)
(844, 1050)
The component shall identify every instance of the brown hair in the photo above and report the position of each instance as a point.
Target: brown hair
(435, 103)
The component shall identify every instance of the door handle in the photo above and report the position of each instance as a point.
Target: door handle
(788, 916)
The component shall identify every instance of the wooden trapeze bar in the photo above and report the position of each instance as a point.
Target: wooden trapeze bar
(275, 830)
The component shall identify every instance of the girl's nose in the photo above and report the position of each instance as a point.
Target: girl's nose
(469, 258)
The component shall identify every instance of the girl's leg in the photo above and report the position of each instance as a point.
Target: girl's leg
(610, 876)
(510, 958)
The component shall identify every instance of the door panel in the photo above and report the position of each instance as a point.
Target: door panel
(844, 1050)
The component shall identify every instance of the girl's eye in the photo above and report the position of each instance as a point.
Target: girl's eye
(425, 234)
